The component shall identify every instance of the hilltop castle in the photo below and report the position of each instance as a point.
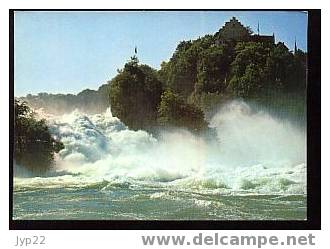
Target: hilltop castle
(233, 30)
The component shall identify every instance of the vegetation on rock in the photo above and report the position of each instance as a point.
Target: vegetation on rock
(175, 112)
(34, 146)
(135, 94)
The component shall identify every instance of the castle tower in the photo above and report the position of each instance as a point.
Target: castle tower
(233, 30)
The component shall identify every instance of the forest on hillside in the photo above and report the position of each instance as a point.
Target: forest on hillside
(202, 75)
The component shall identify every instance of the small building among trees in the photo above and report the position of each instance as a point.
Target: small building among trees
(233, 30)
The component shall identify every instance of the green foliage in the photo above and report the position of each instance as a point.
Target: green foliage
(180, 73)
(209, 67)
(250, 83)
(212, 68)
(34, 145)
(135, 95)
(175, 112)
(136, 99)
(298, 74)
(259, 68)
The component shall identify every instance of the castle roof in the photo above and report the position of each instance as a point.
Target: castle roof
(236, 31)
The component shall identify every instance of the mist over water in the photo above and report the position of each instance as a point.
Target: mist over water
(249, 136)
(252, 152)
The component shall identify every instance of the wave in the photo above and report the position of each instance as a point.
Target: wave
(252, 152)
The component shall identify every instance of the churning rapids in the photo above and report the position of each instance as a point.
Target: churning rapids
(254, 167)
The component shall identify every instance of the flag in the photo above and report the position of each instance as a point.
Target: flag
(258, 29)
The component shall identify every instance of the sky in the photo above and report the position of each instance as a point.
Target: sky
(66, 52)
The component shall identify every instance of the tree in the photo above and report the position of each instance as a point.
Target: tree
(212, 69)
(180, 73)
(299, 72)
(250, 83)
(181, 69)
(135, 94)
(34, 147)
(253, 70)
(175, 112)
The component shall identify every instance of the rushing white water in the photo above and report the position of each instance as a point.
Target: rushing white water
(252, 153)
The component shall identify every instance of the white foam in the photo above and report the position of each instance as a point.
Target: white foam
(252, 152)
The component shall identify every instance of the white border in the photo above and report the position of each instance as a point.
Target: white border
(131, 239)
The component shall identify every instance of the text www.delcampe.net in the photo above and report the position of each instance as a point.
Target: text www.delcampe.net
(216, 239)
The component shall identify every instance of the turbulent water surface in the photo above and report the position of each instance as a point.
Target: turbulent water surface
(254, 167)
